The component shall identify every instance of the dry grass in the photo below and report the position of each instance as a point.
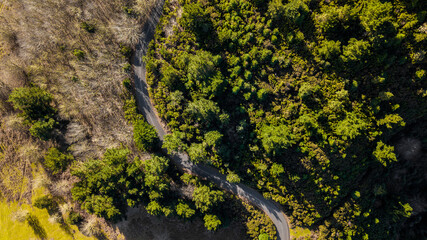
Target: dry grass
(18, 151)
(91, 226)
(87, 91)
(19, 215)
(37, 40)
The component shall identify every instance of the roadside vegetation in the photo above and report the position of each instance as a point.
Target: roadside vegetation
(314, 103)
(74, 151)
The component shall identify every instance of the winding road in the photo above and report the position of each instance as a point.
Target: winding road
(181, 160)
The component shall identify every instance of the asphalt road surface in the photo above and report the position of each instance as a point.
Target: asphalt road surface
(182, 160)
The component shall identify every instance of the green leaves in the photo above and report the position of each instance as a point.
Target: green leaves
(355, 50)
(183, 210)
(43, 128)
(351, 127)
(203, 75)
(144, 135)
(56, 161)
(80, 55)
(212, 222)
(197, 153)
(375, 14)
(34, 102)
(205, 198)
(293, 13)
(37, 110)
(384, 154)
(174, 142)
(276, 138)
(203, 111)
(106, 186)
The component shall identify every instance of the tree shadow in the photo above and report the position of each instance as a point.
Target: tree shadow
(66, 227)
(38, 229)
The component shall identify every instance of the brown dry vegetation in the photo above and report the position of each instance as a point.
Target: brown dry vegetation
(37, 40)
(37, 44)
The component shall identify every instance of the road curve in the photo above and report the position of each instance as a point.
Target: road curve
(181, 160)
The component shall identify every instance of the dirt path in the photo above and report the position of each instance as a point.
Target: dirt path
(182, 160)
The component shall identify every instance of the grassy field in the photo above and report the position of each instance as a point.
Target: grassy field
(300, 233)
(38, 223)
(11, 229)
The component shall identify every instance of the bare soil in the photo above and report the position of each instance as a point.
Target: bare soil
(142, 226)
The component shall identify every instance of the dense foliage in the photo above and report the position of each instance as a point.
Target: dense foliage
(34, 102)
(302, 99)
(108, 185)
(36, 108)
(144, 135)
(56, 161)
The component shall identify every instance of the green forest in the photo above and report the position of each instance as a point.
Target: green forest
(320, 105)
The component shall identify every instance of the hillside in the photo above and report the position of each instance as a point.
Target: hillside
(318, 104)
(75, 154)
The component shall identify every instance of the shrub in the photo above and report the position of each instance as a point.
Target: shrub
(212, 222)
(205, 198)
(56, 161)
(384, 153)
(125, 51)
(46, 202)
(131, 110)
(276, 138)
(74, 79)
(233, 177)
(263, 236)
(307, 90)
(127, 83)
(174, 142)
(203, 111)
(34, 102)
(43, 129)
(154, 208)
(184, 211)
(420, 74)
(107, 185)
(127, 67)
(79, 54)
(88, 27)
(144, 135)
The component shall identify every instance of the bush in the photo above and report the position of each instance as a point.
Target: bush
(107, 185)
(212, 222)
(263, 236)
(79, 54)
(46, 202)
(206, 199)
(56, 161)
(420, 75)
(125, 51)
(384, 154)
(127, 67)
(34, 102)
(43, 129)
(154, 208)
(233, 177)
(88, 27)
(184, 211)
(144, 135)
(276, 138)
